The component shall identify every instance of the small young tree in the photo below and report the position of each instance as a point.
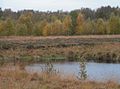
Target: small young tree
(82, 75)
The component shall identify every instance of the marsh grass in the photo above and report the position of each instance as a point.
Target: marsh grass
(20, 79)
(106, 53)
(60, 48)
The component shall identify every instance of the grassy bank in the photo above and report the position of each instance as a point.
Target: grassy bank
(20, 79)
(56, 41)
(39, 49)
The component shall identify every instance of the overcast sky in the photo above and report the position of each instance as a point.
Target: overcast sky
(54, 5)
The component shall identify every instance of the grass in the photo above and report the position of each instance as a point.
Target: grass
(107, 53)
(96, 48)
(20, 79)
(57, 41)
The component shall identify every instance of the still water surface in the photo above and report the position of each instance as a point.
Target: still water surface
(95, 71)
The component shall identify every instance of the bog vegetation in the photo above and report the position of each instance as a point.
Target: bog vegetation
(36, 49)
(20, 79)
(104, 20)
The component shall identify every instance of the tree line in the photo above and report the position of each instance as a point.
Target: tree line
(84, 21)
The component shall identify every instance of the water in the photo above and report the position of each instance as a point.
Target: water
(96, 71)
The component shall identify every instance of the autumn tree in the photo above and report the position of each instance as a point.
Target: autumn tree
(7, 27)
(89, 27)
(100, 27)
(67, 22)
(57, 28)
(114, 24)
(80, 24)
(21, 30)
(74, 15)
(39, 28)
(2, 27)
(54, 28)
(46, 30)
(26, 19)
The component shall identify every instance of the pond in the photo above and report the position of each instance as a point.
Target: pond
(100, 72)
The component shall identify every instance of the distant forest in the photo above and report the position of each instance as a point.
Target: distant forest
(84, 21)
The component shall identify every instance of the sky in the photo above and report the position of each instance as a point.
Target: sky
(54, 5)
